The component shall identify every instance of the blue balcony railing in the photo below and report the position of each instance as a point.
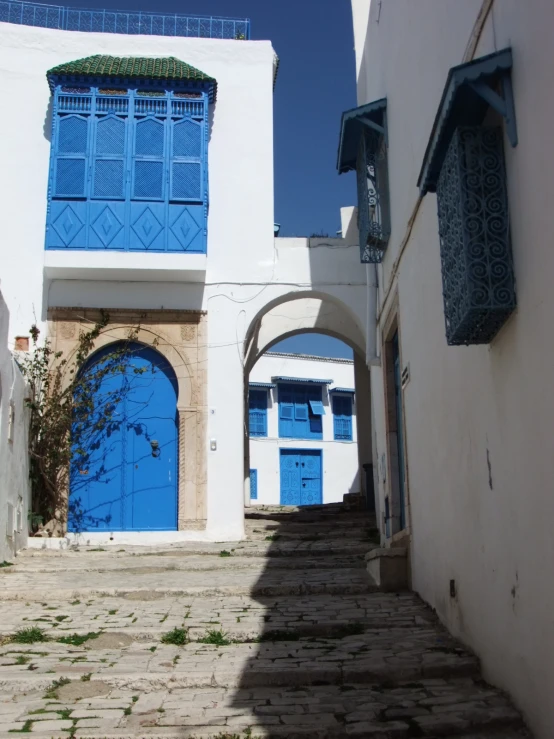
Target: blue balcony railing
(120, 21)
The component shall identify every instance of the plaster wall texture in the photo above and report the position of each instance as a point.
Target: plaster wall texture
(246, 270)
(339, 458)
(14, 466)
(478, 420)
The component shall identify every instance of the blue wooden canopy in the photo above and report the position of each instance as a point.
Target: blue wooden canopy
(353, 124)
(302, 379)
(470, 90)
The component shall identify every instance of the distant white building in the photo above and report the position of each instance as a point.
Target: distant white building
(303, 431)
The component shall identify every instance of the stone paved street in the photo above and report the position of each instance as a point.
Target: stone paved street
(285, 637)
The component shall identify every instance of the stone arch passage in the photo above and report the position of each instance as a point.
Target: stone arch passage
(311, 312)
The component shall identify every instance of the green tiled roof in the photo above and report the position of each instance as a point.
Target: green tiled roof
(132, 67)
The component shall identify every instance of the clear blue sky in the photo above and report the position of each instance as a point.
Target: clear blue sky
(316, 83)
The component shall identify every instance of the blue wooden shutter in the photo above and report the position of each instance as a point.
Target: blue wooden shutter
(148, 160)
(315, 422)
(286, 411)
(257, 406)
(70, 178)
(186, 176)
(342, 417)
(109, 158)
(253, 484)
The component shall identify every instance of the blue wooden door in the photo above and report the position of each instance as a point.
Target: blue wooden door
(300, 477)
(124, 468)
(290, 477)
(399, 430)
(310, 473)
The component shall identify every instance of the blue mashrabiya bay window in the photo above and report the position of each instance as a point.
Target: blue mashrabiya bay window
(342, 417)
(257, 412)
(300, 411)
(128, 168)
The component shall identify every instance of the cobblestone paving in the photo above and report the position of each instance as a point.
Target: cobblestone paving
(285, 637)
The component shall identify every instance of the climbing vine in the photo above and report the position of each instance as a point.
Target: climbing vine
(70, 417)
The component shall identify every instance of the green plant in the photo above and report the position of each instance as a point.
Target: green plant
(77, 639)
(52, 691)
(272, 537)
(128, 711)
(75, 602)
(86, 677)
(179, 637)
(60, 618)
(6, 564)
(67, 421)
(21, 659)
(96, 549)
(25, 729)
(218, 638)
(225, 553)
(29, 636)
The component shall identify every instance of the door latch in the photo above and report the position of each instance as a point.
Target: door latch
(156, 451)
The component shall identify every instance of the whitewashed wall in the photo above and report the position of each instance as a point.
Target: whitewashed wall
(339, 458)
(14, 466)
(478, 420)
(246, 269)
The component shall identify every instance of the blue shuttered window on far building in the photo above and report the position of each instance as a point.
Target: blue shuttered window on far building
(257, 412)
(129, 156)
(300, 412)
(342, 417)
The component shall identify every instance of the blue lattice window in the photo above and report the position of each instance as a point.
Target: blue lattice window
(464, 164)
(363, 148)
(257, 412)
(342, 417)
(300, 412)
(253, 484)
(128, 169)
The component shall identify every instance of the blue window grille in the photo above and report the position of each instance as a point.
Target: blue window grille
(257, 412)
(128, 169)
(300, 412)
(253, 484)
(120, 21)
(342, 417)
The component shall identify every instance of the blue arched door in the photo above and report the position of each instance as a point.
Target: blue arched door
(124, 470)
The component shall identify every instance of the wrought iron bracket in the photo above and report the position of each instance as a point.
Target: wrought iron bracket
(503, 105)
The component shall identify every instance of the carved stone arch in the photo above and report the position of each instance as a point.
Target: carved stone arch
(178, 337)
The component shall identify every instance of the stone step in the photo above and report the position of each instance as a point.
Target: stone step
(243, 616)
(149, 586)
(426, 708)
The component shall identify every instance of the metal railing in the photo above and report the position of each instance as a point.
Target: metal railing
(120, 21)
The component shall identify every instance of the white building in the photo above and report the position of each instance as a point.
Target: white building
(455, 98)
(303, 435)
(137, 179)
(14, 462)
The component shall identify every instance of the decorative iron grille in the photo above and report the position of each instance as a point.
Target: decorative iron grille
(373, 197)
(476, 256)
(118, 21)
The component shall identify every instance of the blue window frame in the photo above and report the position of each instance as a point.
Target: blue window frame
(300, 411)
(342, 417)
(253, 484)
(257, 412)
(128, 168)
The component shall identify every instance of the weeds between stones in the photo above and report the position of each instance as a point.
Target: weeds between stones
(29, 636)
(218, 638)
(52, 691)
(178, 637)
(225, 553)
(76, 640)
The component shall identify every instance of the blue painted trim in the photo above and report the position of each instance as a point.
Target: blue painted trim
(124, 22)
(342, 417)
(268, 385)
(128, 220)
(353, 123)
(296, 419)
(302, 380)
(253, 484)
(349, 390)
(257, 413)
(316, 407)
(466, 98)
